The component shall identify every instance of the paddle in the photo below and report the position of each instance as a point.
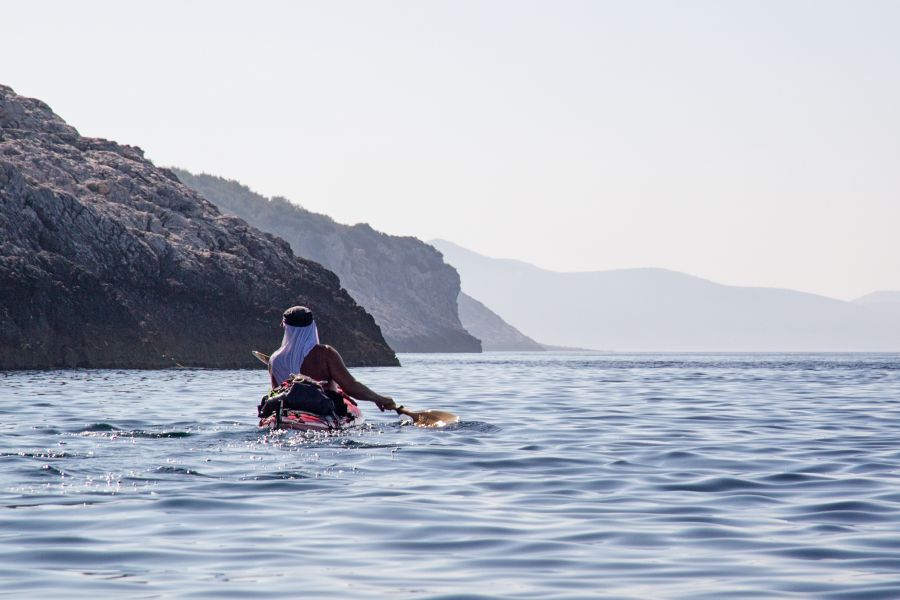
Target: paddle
(429, 418)
(422, 418)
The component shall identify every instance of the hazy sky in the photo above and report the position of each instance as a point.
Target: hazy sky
(752, 143)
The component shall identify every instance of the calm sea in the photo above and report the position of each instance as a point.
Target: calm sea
(569, 476)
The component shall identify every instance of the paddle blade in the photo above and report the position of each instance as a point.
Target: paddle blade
(263, 358)
(432, 418)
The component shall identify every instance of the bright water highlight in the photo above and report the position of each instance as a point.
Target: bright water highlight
(569, 476)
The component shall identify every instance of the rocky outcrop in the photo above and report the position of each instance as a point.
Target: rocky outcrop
(109, 261)
(496, 335)
(402, 281)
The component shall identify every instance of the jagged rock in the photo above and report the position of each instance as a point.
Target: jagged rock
(109, 261)
(402, 281)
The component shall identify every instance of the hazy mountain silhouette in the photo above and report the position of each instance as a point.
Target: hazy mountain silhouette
(887, 302)
(495, 333)
(660, 310)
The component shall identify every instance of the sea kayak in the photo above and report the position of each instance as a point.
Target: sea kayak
(286, 418)
(305, 421)
(299, 420)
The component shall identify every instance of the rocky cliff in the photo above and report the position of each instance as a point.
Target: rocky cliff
(109, 261)
(402, 281)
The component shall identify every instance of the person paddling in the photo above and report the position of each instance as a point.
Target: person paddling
(301, 352)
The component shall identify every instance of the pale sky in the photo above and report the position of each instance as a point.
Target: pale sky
(751, 143)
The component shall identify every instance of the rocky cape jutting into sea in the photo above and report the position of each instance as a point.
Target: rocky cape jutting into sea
(109, 261)
(402, 281)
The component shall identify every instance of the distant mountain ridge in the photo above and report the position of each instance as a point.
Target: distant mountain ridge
(660, 310)
(886, 302)
(880, 298)
(402, 281)
(496, 335)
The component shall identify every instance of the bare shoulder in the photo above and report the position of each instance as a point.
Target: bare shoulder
(331, 352)
(336, 365)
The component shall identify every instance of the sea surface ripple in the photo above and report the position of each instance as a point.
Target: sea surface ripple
(570, 475)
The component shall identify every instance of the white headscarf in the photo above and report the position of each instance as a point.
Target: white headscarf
(296, 344)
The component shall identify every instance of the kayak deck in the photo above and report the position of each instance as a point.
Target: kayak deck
(304, 421)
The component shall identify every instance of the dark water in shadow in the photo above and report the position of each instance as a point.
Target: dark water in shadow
(570, 476)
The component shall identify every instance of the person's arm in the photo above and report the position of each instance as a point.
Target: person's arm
(353, 388)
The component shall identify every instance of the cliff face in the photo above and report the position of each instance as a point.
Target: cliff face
(108, 261)
(402, 281)
(496, 335)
